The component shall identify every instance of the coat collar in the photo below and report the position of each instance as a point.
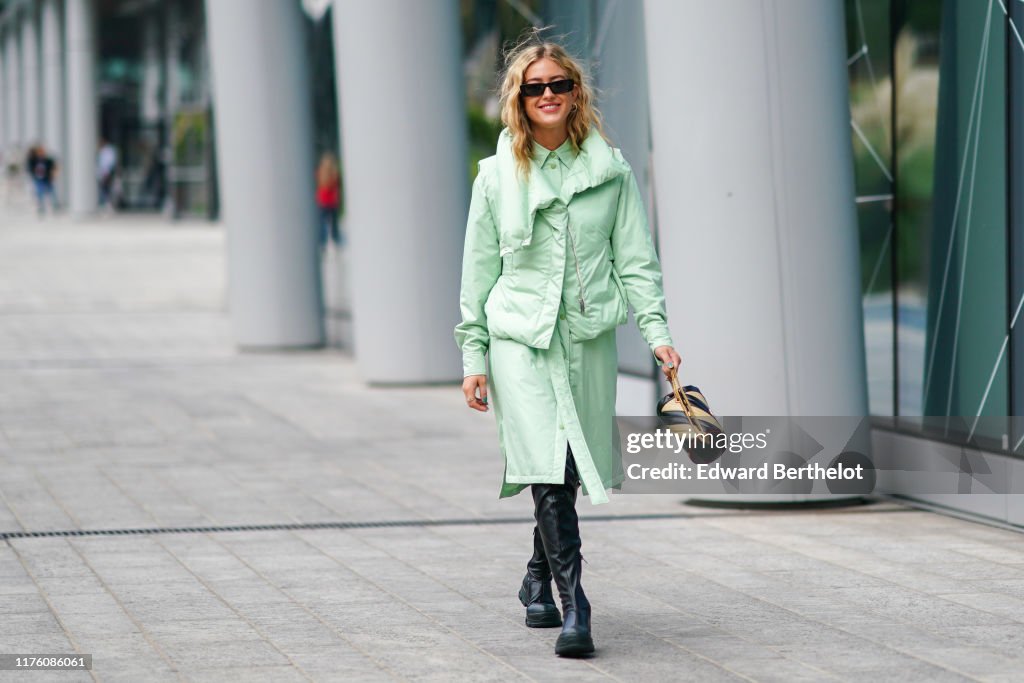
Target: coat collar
(565, 153)
(595, 164)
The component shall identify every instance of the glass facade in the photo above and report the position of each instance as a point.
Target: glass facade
(870, 67)
(1015, 217)
(155, 105)
(929, 93)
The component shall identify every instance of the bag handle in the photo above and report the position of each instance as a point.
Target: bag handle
(683, 401)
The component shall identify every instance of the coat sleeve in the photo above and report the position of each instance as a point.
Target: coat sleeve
(481, 266)
(637, 265)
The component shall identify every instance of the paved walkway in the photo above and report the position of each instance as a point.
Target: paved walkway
(125, 406)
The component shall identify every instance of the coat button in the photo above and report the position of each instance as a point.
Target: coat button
(561, 316)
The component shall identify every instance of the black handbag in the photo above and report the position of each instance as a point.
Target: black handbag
(687, 413)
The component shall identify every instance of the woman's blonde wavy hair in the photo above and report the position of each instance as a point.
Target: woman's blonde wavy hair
(513, 115)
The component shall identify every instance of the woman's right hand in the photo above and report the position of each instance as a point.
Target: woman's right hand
(470, 384)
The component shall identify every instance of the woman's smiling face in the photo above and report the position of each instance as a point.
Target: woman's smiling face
(549, 111)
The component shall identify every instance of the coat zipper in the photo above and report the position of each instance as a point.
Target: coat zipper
(579, 278)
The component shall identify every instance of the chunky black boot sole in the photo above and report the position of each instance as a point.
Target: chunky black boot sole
(574, 645)
(548, 618)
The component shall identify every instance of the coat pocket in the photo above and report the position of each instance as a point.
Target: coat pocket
(508, 259)
(496, 310)
(623, 314)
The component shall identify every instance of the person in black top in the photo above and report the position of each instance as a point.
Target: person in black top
(42, 169)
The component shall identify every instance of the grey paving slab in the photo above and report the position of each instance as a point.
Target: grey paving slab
(51, 642)
(778, 670)
(191, 656)
(999, 604)
(910, 673)
(337, 661)
(1001, 678)
(28, 623)
(125, 404)
(110, 646)
(47, 676)
(267, 674)
(31, 504)
(23, 604)
(973, 661)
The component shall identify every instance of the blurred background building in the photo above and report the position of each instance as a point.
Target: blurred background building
(834, 186)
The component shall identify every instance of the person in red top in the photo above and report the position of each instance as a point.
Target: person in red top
(328, 199)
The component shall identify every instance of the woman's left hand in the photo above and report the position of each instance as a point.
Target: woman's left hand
(669, 359)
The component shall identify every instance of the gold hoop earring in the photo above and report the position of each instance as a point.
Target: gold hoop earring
(575, 106)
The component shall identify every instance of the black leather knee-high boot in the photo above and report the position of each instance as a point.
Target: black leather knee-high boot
(535, 594)
(555, 510)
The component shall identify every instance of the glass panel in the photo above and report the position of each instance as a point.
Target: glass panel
(1015, 132)
(951, 213)
(876, 288)
(868, 40)
(130, 80)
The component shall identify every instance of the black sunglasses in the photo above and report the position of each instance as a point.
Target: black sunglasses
(537, 89)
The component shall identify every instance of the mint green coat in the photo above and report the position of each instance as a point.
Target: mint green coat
(547, 275)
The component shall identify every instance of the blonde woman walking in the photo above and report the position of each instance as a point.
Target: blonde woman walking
(557, 246)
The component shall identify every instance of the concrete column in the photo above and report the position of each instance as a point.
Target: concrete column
(30, 74)
(573, 21)
(4, 134)
(53, 88)
(755, 198)
(754, 172)
(12, 68)
(406, 192)
(621, 74)
(80, 54)
(264, 151)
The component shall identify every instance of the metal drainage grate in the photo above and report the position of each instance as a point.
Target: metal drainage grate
(302, 526)
(307, 526)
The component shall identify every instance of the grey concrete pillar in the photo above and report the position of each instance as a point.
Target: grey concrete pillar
(755, 198)
(4, 96)
(80, 55)
(753, 168)
(573, 21)
(30, 75)
(52, 71)
(12, 68)
(404, 152)
(621, 75)
(265, 157)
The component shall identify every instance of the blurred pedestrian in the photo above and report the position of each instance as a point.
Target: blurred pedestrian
(153, 185)
(42, 171)
(11, 173)
(106, 173)
(555, 205)
(328, 199)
